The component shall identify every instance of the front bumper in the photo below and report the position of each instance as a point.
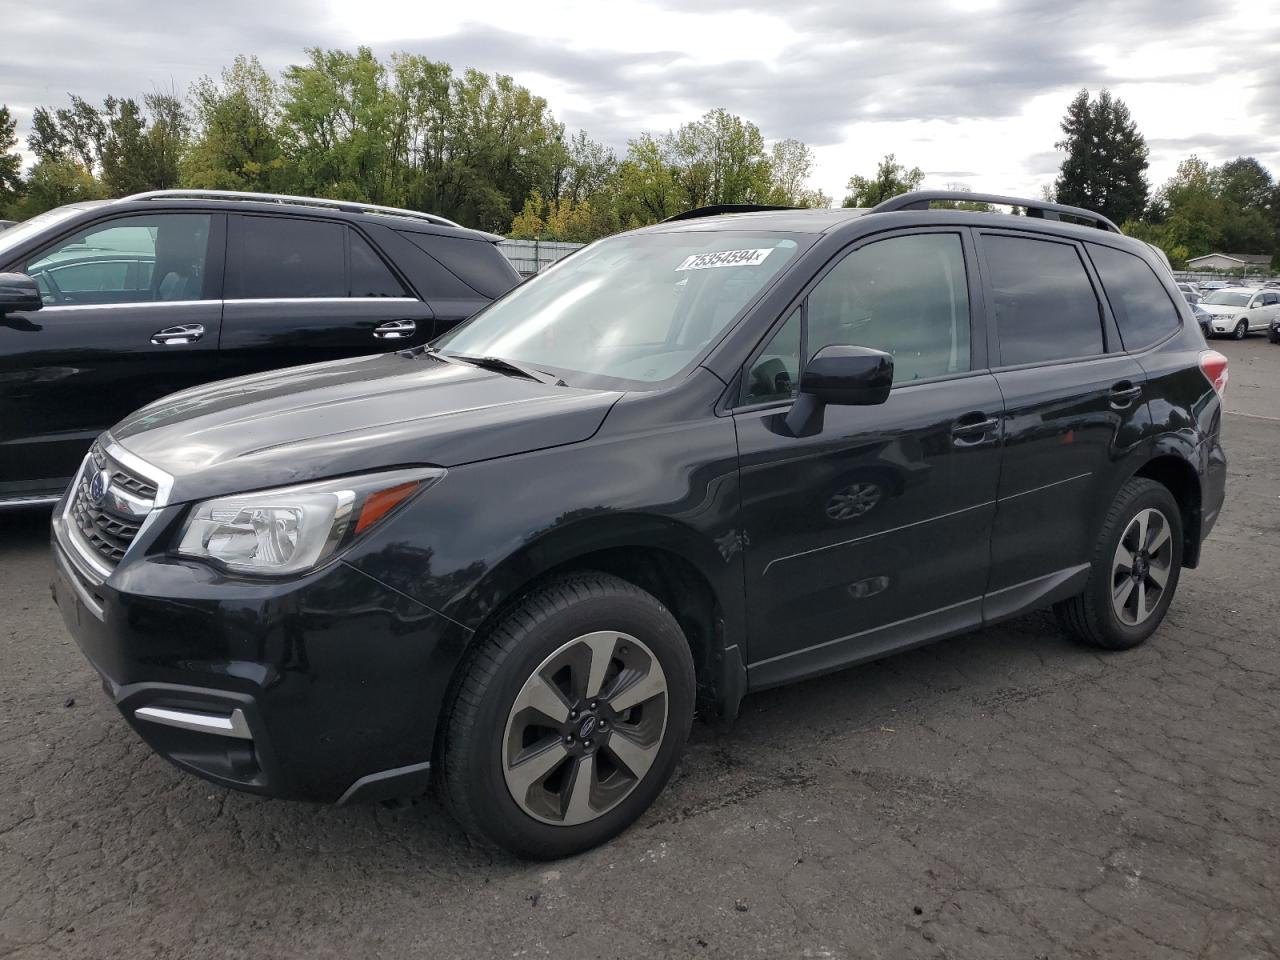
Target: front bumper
(326, 687)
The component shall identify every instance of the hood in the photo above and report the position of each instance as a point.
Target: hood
(351, 416)
(1219, 309)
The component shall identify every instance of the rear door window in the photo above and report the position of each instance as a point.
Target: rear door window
(289, 257)
(1142, 307)
(1044, 303)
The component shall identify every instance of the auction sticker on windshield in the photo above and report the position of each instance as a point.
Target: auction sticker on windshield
(725, 258)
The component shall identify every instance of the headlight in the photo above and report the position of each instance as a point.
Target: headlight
(292, 529)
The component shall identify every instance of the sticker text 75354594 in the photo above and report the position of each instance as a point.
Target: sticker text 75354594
(725, 258)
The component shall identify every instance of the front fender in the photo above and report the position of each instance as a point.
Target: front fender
(480, 535)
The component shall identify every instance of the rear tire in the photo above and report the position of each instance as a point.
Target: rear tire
(1133, 572)
(568, 718)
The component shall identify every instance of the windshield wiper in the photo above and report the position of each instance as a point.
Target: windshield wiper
(506, 366)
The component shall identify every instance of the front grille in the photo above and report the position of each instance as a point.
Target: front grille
(108, 529)
(135, 485)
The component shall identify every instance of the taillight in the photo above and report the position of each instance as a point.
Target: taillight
(1214, 366)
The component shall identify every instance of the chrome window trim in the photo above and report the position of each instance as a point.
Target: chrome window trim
(64, 307)
(262, 300)
(146, 304)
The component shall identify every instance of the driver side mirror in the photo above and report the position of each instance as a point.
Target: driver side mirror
(842, 376)
(18, 294)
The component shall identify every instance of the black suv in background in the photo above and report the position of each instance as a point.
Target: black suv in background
(129, 300)
(689, 462)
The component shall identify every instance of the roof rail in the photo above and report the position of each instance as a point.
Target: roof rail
(347, 206)
(715, 209)
(920, 200)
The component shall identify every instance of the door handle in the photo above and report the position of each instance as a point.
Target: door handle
(972, 429)
(176, 336)
(395, 330)
(1124, 393)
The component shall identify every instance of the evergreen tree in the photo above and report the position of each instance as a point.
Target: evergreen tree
(1106, 160)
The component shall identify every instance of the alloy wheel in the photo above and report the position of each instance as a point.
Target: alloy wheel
(1241, 329)
(1141, 567)
(585, 728)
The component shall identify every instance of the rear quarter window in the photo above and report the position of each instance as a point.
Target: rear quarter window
(477, 263)
(1143, 309)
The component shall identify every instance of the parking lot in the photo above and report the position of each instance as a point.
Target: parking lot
(1001, 794)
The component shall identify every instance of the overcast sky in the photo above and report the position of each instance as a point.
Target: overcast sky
(969, 90)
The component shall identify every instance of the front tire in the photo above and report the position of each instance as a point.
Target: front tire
(568, 718)
(1134, 570)
(1242, 328)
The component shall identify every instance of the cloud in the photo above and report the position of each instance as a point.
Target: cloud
(943, 85)
(132, 47)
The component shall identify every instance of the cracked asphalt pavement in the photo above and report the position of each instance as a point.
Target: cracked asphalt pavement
(1001, 794)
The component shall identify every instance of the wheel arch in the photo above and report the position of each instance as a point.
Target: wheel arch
(692, 575)
(1178, 475)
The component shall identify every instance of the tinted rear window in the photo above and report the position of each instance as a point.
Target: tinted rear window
(290, 257)
(477, 263)
(1045, 307)
(1138, 298)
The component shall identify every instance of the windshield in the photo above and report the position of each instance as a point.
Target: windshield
(638, 307)
(20, 232)
(1228, 298)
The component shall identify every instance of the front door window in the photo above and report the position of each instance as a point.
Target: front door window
(128, 260)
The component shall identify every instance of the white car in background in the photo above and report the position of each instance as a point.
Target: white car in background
(1189, 292)
(1239, 311)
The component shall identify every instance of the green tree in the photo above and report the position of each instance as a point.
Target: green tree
(46, 139)
(236, 143)
(790, 166)
(338, 115)
(1245, 183)
(53, 183)
(168, 135)
(124, 148)
(83, 131)
(10, 161)
(719, 158)
(890, 180)
(647, 189)
(528, 223)
(1104, 169)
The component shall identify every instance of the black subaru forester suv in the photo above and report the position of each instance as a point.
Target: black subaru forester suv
(689, 462)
